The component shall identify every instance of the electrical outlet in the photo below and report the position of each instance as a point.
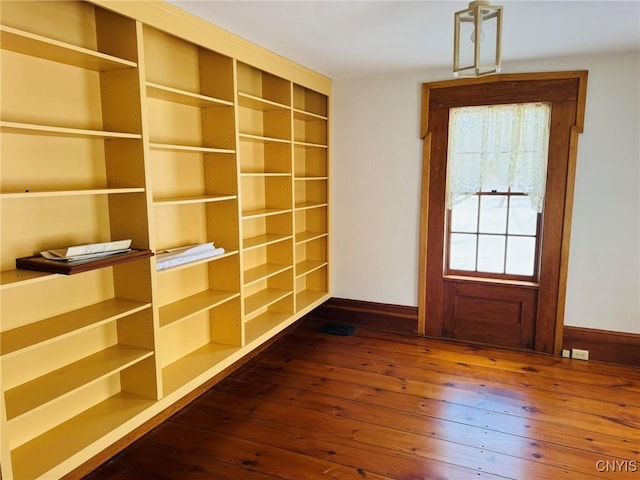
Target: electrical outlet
(566, 353)
(579, 354)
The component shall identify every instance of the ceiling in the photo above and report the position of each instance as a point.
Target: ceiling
(345, 39)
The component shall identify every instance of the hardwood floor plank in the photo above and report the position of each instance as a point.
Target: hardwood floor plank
(187, 434)
(389, 463)
(415, 381)
(385, 406)
(522, 447)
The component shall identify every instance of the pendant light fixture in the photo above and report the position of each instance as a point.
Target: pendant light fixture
(477, 45)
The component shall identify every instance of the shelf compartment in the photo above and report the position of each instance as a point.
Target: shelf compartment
(64, 381)
(310, 224)
(49, 49)
(307, 298)
(260, 157)
(42, 454)
(310, 161)
(309, 130)
(310, 102)
(193, 305)
(257, 83)
(310, 256)
(19, 127)
(199, 76)
(265, 325)
(307, 266)
(191, 348)
(263, 299)
(206, 129)
(170, 94)
(51, 329)
(197, 364)
(266, 193)
(260, 123)
(264, 271)
(307, 236)
(312, 288)
(196, 223)
(264, 240)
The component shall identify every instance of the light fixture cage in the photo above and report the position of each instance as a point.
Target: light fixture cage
(477, 46)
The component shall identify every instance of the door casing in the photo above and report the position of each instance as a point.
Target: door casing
(566, 91)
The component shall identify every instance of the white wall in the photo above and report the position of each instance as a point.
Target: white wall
(376, 168)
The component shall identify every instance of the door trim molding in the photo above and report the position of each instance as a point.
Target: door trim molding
(424, 327)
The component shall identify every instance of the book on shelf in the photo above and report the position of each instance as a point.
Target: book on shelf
(88, 251)
(173, 257)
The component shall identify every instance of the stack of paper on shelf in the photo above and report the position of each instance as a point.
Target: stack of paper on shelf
(87, 252)
(181, 255)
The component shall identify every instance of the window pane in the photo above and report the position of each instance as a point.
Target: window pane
(523, 219)
(493, 214)
(462, 253)
(491, 253)
(464, 215)
(521, 255)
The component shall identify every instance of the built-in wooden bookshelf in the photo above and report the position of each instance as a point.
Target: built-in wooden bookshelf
(134, 120)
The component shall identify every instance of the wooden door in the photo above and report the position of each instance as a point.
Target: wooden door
(513, 313)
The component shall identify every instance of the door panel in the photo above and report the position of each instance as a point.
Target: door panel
(488, 313)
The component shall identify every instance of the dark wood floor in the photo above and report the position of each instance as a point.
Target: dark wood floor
(379, 406)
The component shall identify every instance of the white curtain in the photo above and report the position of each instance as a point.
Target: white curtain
(497, 147)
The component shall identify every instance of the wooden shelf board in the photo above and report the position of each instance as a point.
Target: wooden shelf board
(60, 383)
(265, 174)
(70, 323)
(305, 298)
(68, 193)
(257, 103)
(261, 139)
(310, 179)
(309, 205)
(197, 262)
(6, 126)
(194, 199)
(263, 271)
(299, 143)
(264, 212)
(303, 237)
(264, 324)
(194, 304)
(263, 298)
(263, 240)
(195, 364)
(306, 115)
(307, 266)
(40, 455)
(188, 148)
(48, 49)
(170, 94)
(19, 278)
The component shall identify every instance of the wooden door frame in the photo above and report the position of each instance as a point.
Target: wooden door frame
(551, 340)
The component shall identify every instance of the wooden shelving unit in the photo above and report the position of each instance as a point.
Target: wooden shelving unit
(125, 120)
